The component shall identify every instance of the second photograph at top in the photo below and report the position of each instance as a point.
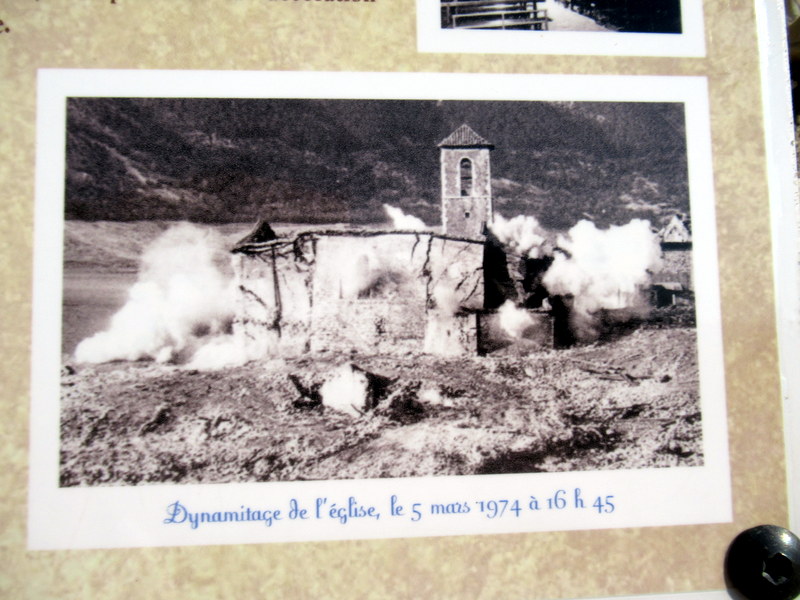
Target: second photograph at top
(661, 16)
(562, 27)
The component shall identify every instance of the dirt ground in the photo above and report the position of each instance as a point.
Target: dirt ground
(628, 403)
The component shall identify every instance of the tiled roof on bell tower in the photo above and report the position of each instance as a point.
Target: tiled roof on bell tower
(463, 137)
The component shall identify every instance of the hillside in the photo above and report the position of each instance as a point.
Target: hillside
(329, 161)
(118, 246)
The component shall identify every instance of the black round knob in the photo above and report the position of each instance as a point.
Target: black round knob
(763, 563)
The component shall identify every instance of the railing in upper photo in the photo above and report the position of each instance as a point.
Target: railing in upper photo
(493, 14)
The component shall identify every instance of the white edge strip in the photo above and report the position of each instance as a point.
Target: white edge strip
(782, 181)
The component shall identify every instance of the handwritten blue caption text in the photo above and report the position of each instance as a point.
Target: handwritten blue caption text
(351, 510)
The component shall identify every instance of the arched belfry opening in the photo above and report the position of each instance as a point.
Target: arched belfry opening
(466, 184)
(466, 177)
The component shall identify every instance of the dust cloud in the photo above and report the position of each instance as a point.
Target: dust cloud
(604, 268)
(402, 221)
(593, 269)
(522, 235)
(179, 311)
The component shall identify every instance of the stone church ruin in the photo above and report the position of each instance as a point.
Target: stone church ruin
(397, 291)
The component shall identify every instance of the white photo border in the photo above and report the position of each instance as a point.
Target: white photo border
(431, 37)
(137, 516)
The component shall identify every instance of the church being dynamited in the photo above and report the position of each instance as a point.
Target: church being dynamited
(378, 291)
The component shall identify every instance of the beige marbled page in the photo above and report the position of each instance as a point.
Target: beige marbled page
(381, 36)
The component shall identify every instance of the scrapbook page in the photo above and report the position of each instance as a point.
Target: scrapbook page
(440, 318)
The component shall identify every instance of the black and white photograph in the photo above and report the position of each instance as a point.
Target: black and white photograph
(299, 295)
(626, 16)
(292, 289)
(562, 27)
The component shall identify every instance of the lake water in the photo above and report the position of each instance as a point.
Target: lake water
(90, 300)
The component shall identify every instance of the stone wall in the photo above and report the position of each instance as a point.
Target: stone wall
(371, 292)
(676, 265)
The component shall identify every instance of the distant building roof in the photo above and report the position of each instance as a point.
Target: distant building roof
(679, 229)
(464, 137)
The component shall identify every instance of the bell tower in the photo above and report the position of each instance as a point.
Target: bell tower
(466, 184)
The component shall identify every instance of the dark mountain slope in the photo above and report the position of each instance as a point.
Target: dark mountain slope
(339, 161)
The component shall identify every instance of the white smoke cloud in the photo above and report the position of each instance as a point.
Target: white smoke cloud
(180, 309)
(369, 275)
(356, 273)
(227, 350)
(440, 335)
(446, 300)
(402, 221)
(522, 235)
(604, 269)
(514, 321)
(346, 390)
